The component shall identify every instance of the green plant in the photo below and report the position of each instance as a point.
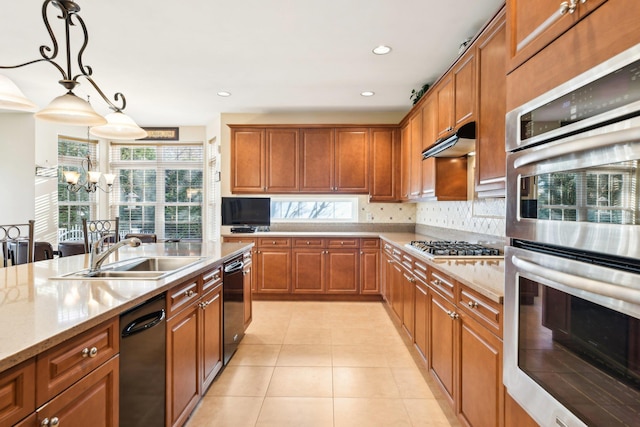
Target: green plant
(417, 94)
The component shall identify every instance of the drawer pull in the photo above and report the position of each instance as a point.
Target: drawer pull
(53, 422)
(308, 242)
(93, 352)
(274, 242)
(189, 293)
(472, 304)
(452, 314)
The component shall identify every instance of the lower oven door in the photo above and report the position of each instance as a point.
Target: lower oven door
(572, 337)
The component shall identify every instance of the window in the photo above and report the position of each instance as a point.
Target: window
(316, 209)
(159, 189)
(72, 207)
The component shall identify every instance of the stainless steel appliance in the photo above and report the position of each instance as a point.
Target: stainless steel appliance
(439, 249)
(143, 364)
(233, 306)
(572, 270)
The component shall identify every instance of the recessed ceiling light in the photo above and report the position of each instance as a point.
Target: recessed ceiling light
(367, 93)
(224, 93)
(381, 50)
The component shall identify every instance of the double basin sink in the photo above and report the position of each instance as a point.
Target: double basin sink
(141, 268)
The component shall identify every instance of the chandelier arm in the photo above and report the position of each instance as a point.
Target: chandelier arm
(86, 70)
(118, 97)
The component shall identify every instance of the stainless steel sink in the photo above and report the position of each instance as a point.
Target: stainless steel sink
(142, 268)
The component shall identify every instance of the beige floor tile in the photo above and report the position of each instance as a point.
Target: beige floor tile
(225, 411)
(305, 381)
(305, 355)
(296, 412)
(363, 336)
(349, 412)
(255, 355)
(359, 356)
(364, 382)
(242, 381)
(411, 384)
(429, 413)
(308, 336)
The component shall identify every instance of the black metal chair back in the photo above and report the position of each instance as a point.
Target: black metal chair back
(96, 229)
(17, 242)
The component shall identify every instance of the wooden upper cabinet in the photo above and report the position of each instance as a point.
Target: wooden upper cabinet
(316, 160)
(428, 166)
(465, 88)
(492, 105)
(247, 160)
(445, 95)
(282, 160)
(405, 161)
(383, 178)
(534, 25)
(417, 145)
(352, 160)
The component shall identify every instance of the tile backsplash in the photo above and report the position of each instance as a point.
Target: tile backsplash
(485, 216)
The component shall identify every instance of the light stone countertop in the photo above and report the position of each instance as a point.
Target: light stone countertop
(37, 312)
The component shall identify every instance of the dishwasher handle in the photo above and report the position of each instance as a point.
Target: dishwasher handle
(143, 323)
(234, 266)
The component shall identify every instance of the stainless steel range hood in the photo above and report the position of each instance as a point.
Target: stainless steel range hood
(458, 144)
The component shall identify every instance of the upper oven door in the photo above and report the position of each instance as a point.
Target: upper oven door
(580, 191)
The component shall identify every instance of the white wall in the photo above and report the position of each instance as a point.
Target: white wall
(17, 168)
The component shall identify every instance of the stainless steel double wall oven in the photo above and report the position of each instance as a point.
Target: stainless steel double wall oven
(572, 295)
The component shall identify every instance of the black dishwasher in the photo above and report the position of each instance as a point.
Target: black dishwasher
(233, 306)
(143, 364)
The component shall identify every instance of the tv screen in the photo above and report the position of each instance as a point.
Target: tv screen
(253, 211)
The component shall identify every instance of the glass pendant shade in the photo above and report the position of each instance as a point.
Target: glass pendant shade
(12, 98)
(119, 126)
(68, 109)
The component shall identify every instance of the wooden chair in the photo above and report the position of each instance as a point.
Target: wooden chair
(144, 237)
(96, 229)
(15, 239)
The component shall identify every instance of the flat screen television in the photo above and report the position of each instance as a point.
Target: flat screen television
(244, 214)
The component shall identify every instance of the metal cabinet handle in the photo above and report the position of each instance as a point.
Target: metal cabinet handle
(53, 422)
(86, 352)
(452, 314)
(568, 6)
(189, 293)
(472, 304)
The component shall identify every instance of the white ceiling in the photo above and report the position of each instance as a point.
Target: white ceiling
(170, 58)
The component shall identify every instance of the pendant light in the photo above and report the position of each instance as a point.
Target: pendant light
(12, 98)
(119, 126)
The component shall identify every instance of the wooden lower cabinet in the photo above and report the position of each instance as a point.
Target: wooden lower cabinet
(421, 317)
(385, 273)
(247, 287)
(395, 285)
(210, 336)
(308, 271)
(408, 302)
(443, 337)
(480, 400)
(342, 271)
(17, 393)
(370, 271)
(274, 270)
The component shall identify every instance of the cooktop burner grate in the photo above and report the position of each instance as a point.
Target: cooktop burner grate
(454, 249)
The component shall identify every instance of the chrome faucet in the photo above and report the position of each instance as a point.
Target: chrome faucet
(96, 258)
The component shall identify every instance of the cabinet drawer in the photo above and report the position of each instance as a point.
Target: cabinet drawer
(247, 258)
(481, 308)
(211, 279)
(283, 242)
(407, 262)
(343, 243)
(17, 393)
(444, 284)
(303, 242)
(387, 248)
(66, 363)
(239, 240)
(182, 295)
(396, 254)
(369, 243)
(420, 270)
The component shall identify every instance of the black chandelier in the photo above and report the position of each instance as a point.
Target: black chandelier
(92, 181)
(69, 108)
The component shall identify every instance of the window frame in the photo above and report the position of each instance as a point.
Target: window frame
(328, 199)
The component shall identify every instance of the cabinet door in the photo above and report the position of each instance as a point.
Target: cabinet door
(396, 289)
(247, 160)
(183, 378)
(247, 287)
(92, 401)
(17, 392)
(385, 273)
(342, 271)
(210, 336)
(384, 158)
(408, 301)
(274, 270)
(429, 134)
(415, 180)
(481, 397)
(405, 161)
(282, 159)
(465, 88)
(317, 160)
(421, 317)
(308, 270)
(352, 160)
(442, 342)
(444, 94)
(369, 271)
(492, 107)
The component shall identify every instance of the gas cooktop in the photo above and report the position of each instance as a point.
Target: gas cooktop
(454, 249)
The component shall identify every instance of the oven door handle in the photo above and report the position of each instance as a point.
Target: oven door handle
(586, 284)
(577, 145)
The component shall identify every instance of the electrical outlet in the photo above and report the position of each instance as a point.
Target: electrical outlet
(369, 216)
